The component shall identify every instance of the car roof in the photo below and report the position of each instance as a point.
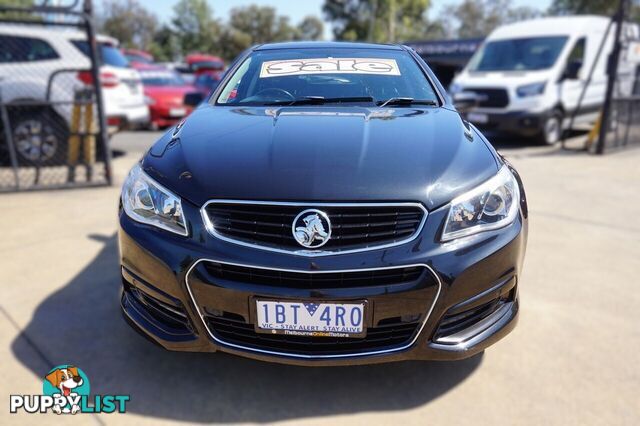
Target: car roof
(27, 30)
(326, 45)
(550, 26)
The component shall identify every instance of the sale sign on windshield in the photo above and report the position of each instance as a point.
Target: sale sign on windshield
(289, 67)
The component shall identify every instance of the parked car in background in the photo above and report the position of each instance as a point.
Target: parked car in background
(181, 68)
(164, 92)
(199, 62)
(528, 76)
(124, 102)
(43, 69)
(135, 56)
(206, 82)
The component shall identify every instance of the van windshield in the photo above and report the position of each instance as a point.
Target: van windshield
(518, 54)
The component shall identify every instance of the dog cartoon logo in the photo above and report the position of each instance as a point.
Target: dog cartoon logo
(312, 228)
(69, 382)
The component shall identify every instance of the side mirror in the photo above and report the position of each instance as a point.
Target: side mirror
(572, 71)
(465, 101)
(193, 99)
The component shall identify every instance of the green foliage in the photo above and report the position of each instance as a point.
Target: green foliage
(581, 7)
(18, 15)
(477, 18)
(134, 25)
(311, 28)
(193, 28)
(594, 7)
(380, 20)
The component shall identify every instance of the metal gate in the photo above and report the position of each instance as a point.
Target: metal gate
(52, 124)
(620, 126)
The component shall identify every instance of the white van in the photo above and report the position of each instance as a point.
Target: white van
(528, 76)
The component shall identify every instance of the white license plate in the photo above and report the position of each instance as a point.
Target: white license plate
(177, 112)
(476, 117)
(310, 319)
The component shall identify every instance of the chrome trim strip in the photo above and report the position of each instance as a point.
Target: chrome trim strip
(310, 253)
(478, 332)
(285, 354)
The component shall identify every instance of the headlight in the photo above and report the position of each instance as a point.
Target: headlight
(492, 205)
(531, 89)
(146, 201)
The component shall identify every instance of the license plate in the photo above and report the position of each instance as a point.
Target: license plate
(310, 319)
(177, 112)
(476, 117)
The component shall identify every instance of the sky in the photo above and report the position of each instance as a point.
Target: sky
(298, 9)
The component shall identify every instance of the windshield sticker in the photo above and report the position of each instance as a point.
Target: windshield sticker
(329, 66)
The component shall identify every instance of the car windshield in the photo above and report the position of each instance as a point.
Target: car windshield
(109, 55)
(327, 76)
(138, 58)
(161, 78)
(518, 54)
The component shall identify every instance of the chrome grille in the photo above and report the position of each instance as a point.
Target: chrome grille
(354, 227)
(489, 97)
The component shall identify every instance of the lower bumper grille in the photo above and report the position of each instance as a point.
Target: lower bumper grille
(233, 329)
(460, 321)
(172, 319)
(318, 280)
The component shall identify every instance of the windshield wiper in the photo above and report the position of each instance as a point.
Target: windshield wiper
(310, 100)
(399, 100)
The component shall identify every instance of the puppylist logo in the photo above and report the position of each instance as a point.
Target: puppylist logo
(66, 390)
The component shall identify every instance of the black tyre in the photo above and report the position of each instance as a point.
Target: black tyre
(40, 136)
(551, 132)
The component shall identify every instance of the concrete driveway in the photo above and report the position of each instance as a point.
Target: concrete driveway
(573, 359)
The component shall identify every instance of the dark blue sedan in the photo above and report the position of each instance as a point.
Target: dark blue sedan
(326, 205)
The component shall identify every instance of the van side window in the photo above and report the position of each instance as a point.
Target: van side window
(25, 49)
(577, 53)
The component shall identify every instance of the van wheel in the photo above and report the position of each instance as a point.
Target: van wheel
(40, 137)
(551, 129)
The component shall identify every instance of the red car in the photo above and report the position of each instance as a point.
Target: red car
(136, 57)
(164, 92)
(199, 63)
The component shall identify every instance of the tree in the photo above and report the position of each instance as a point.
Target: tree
(165, 45)
(581, 7)
(261, 24)
(129, 22)
(378, 20)
(195, 28)
(233, 42)
(593, 7)
(255, 24)
(311, 28)
(20, 16)
(477, 18)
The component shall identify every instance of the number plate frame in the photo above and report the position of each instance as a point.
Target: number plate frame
(366, 321)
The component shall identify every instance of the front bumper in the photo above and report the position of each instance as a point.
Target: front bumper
(465, 300)
(523, 123)
(127, 117)
(161, 115)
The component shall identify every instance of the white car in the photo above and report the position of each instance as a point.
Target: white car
(42, 69)
(529, 76)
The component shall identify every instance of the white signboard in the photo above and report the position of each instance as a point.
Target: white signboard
(329, 66)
